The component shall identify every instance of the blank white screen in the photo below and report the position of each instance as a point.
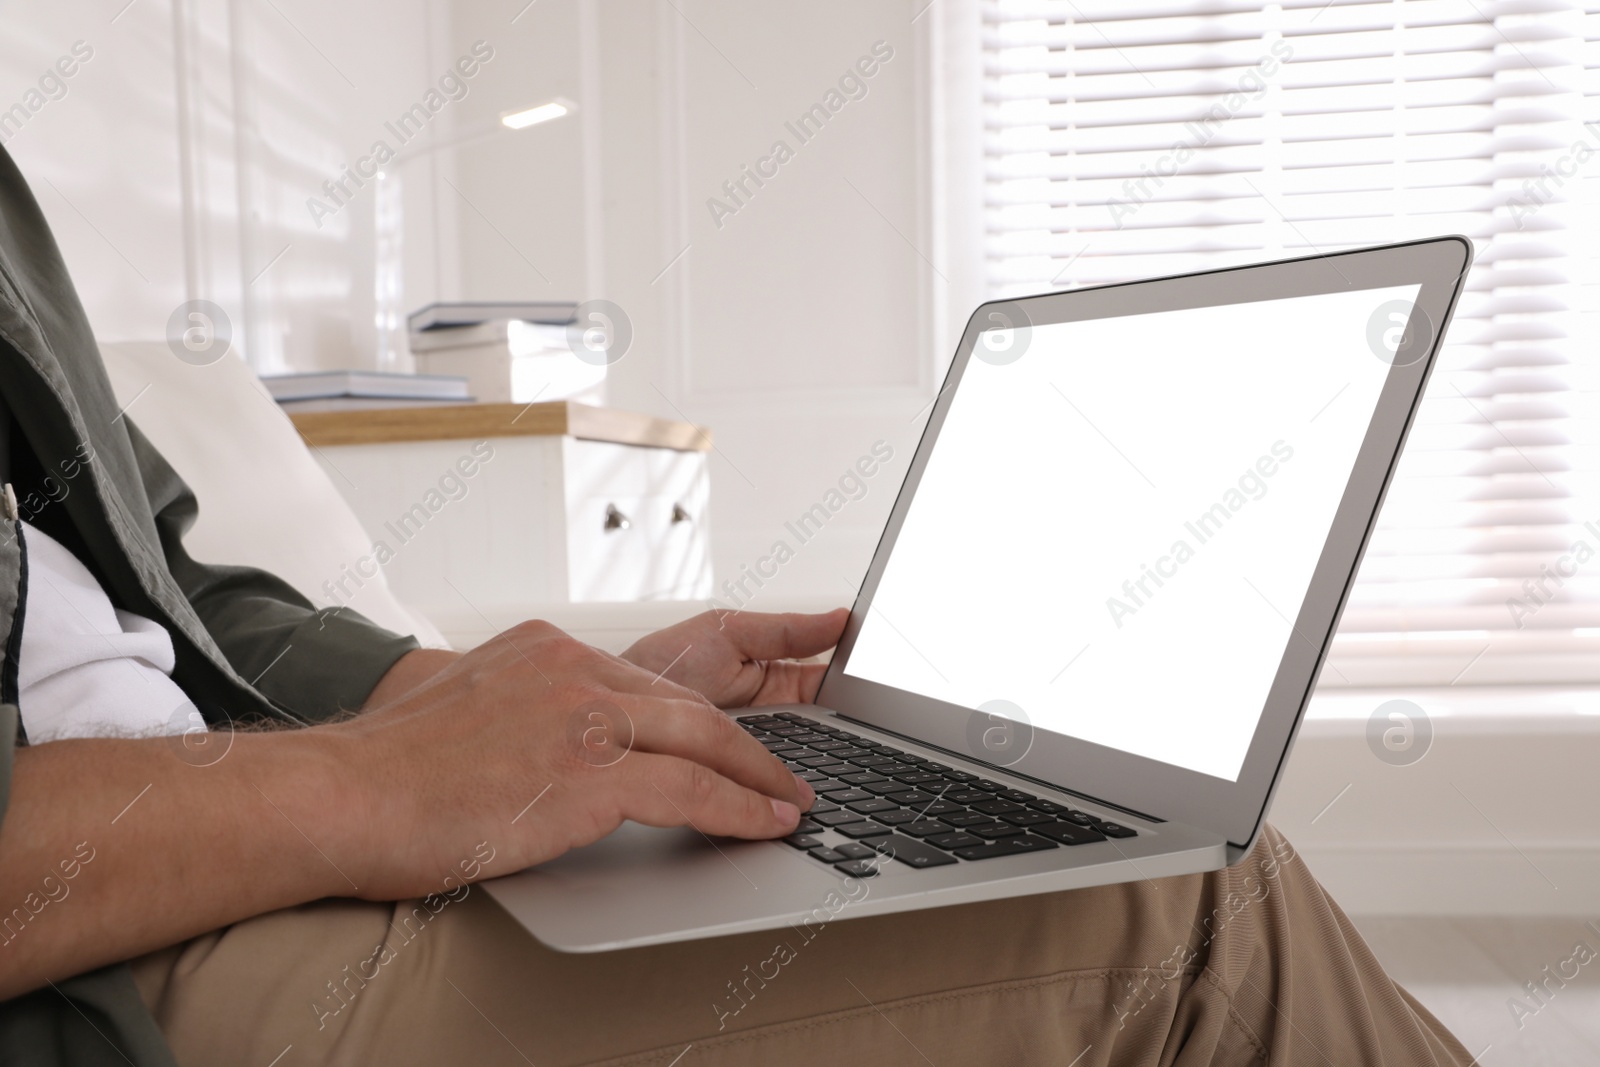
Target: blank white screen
(1085, 464)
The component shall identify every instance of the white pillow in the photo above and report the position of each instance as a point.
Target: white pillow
(264, 501)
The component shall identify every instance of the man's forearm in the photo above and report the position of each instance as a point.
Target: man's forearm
(112, 848)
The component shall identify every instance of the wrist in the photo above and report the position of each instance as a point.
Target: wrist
(411, 670)
(309, 795)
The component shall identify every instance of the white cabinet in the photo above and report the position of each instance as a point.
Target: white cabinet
(493, 512)
(636, 522)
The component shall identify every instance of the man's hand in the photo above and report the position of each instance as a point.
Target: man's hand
(743, 659)
(538, 743)
(534, 744)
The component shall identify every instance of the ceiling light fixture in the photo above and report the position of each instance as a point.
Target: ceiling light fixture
(532, 116)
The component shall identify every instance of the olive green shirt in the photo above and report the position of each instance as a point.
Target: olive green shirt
(126, 512)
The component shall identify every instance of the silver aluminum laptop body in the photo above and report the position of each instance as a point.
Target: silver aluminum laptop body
(1194, 787)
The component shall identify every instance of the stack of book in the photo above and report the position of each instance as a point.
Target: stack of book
(508, 352)
(354, 390)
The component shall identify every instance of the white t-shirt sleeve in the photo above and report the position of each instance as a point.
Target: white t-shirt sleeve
(87, 668)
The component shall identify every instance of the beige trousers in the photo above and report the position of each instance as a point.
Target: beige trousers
(1254, 964)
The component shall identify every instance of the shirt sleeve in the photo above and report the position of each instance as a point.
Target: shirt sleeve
(314, 662)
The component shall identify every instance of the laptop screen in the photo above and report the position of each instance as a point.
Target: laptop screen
(1120, 519)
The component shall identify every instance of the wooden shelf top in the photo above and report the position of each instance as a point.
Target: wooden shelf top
(464, 421)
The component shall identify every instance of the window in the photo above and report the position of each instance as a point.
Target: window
(1129, 138)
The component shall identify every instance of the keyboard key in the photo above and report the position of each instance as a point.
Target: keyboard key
(834, 818)
(809, 738)
(993, 830)
(836, 768)
(845, 735)
(895, 817)
(1112, 829)
(916, 778)
(1069, 833)
(1082, 818)
(936, 768)
(864, 778)
(984, 783)
(996, 807)
(821, 806)
(816, 761)
(830, 786)
(802, 841)
(1026, 818)
(849, 796)
(885, 787)
(808, 826)
(756, 718)
(967, 818)
(830, 745)
(871, 761)
(850, 850)
(940, 808)
(967, 796)
(961, 776)
(1016, 796)
(859, 868)
(911, 798)
(875, 805)
(913, 853)
(957, 839)
(775, 747)
(1010, 846)
(814, 777)
(791, 716)
(828, 855)
(848, 752)
(863, 829)
(1049, 807)
(925, 828)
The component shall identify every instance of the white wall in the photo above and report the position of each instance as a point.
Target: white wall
(103, 159)
(180, 161)
(804, 327)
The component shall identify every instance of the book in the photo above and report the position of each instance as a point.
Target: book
(366, 384)
(445, 315)
(494, 332)
(364, 403)
(520, 336)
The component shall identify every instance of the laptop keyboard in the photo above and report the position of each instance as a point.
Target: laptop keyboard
(922, 813)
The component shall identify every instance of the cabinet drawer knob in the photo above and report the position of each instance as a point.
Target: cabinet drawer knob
(616, 520)
(680, 514)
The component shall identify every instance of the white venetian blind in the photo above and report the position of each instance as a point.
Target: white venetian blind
(1129, 138)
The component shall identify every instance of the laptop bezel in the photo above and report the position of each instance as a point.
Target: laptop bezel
(1235, 810)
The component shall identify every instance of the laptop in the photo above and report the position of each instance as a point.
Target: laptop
(1094, 619)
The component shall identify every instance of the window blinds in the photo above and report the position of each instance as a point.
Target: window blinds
(1129, 138)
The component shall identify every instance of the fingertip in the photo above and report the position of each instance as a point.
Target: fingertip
(808, 796)
(788, 815)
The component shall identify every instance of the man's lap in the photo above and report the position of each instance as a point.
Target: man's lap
(1238, 966)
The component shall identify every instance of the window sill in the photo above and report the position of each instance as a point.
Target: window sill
(1520, 707)
(1493, 814)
